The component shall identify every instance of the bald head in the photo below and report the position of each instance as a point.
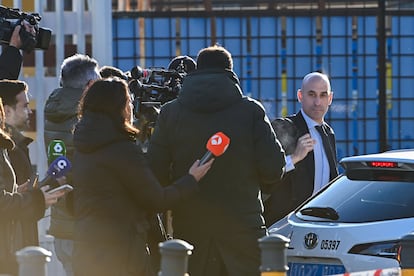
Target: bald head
(315, 95)
(316, 77)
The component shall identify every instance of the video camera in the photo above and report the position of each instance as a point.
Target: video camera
(155, 86)
(29, 41)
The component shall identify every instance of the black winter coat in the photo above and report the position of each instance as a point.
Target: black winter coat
(22, 165)
(16, 210)
(230, 198)
(113, 194)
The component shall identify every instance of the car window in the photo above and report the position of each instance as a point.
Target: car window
(364, 201)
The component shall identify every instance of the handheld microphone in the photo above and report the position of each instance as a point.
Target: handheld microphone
(216, 146)
(55, 149)
(58, 168)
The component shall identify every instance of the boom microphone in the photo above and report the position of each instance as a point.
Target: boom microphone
(59, 167)
(216, 146)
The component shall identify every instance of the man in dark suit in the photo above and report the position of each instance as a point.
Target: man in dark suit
(310, 161)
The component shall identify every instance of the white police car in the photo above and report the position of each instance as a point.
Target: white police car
(356, 222)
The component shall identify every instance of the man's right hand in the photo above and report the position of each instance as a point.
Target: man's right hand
(15, 38)
(303, 147)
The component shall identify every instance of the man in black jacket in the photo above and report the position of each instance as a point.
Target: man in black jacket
(310, 162)
(223, 221)
(14, 94)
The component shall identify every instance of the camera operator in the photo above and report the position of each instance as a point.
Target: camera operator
(11, 58)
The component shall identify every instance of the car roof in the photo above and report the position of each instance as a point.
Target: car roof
(403, 156)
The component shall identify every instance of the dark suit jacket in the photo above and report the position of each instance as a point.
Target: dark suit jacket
(297, 185)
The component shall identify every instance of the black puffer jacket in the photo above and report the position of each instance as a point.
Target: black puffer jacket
(211, 101)
(114, 191)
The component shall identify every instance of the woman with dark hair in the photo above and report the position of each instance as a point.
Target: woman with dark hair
(18, 205)
(115, 189)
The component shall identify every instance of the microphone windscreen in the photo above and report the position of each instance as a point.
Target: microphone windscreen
(59, 167)
(55, 149)
(218, 143)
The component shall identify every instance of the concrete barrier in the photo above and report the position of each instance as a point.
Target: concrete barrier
(273, 255)
(174, 257)
(407, 255)
(33, 261)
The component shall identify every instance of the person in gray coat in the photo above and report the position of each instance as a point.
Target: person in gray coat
(60, 113)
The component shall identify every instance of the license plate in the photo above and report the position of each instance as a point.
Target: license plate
(303, 269)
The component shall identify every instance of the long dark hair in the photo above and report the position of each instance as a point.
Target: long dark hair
(110, 97)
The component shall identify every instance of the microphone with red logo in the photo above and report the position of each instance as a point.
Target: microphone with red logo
(216, 146)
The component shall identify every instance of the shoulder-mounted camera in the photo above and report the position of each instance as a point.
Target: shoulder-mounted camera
(40, 40)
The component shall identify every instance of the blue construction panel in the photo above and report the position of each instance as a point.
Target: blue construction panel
(406, 66)
(406, 25)
(371, 129)
(339, 86)
(158, 47)
(270, 108)
(368, 25)
(406, 86)
(370, 46)
(300, 46)
(301, 66)
(233, 45)
(268, 26)
(369, 66)
(158, 27)
(267, 67)
(404, 45)
(125, 64)
(302, 55)
(406, 108)
(303, 26)
(369, 88)
(231, 26)
(195, 45)
(125, 27)
(338, 45)
(197, 27)
(268, 89)
(336, 26)
(125, 48)
(254, 67)
(340, 66)
(371, 108)
(268, 46)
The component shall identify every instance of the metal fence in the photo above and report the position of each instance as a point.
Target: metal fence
(366, 47)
